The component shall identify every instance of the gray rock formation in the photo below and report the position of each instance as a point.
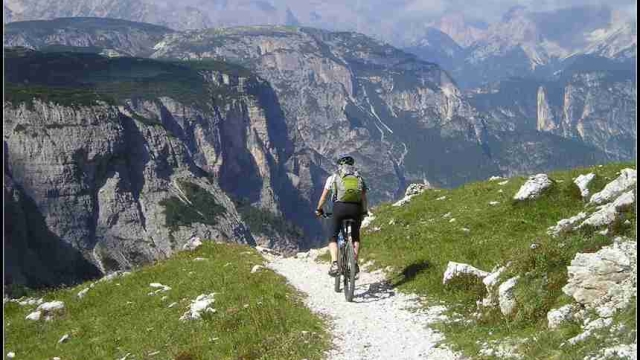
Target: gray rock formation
(604, 280)
(533, 187)
(94, 182)
(506, 298)
(559, 316)
(615, 188)
(455, 270)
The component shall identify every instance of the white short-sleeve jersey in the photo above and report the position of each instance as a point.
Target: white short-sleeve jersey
(329, 183)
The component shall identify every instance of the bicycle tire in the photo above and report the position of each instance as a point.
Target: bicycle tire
(350, 271)
(336, 278)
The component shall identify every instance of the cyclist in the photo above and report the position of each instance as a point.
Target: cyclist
(349, 195)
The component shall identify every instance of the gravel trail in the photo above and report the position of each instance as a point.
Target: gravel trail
(380, 323)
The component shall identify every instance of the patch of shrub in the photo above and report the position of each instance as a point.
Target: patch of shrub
(203, 208)
(264, 222)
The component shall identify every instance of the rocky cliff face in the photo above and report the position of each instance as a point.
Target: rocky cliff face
(109, 186)
(595, 107)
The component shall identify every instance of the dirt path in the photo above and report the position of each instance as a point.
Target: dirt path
(380, 323)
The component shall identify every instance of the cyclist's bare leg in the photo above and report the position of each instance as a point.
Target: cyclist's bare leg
(356, 249)
(333, 250)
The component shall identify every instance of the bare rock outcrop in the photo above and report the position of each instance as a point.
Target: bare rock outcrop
(582, 182)
(613, 189)
(604, 280)
(533, 188)
(455, 270)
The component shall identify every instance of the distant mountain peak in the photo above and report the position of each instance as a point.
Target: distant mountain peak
(514, 12)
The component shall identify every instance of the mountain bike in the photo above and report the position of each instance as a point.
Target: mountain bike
(346, 260)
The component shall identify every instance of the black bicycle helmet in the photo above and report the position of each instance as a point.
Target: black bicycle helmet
(345, 159)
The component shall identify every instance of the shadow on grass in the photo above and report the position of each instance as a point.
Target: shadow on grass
(411, 271)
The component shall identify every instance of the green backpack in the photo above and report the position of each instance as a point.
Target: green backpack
(348, 185)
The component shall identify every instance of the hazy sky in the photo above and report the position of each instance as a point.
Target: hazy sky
(488, 10)
(492, 10)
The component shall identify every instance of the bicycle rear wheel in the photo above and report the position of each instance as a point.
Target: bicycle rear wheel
(336, 278)
(349, 271)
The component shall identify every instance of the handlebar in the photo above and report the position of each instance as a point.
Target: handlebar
(328, 215)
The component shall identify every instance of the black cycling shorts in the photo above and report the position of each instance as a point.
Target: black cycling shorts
(343, 211)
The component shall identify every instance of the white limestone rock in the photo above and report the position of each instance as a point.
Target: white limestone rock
(35, 316)
(565, 225)
(402, 201)
(160, 287)
(613, 189)
(82, 293)
(51, 306)
(29, 301)
(256, 268)
(113, 275)
(533, 187)
(192, 244)
(490, 281)
(455, 269)
(506, 299)
(606, 278)
(367, 221)
(582, 182)
(198, 306)
(607, 213)
(415, 189)
(559, 316)
(64, 338)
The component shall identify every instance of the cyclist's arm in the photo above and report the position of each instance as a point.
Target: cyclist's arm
(323, 198)
(364, 201)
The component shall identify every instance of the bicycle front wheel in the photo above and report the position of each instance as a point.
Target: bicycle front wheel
(349, 272)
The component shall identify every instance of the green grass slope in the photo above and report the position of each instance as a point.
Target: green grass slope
(258, 316)
(81, 78)
(418, 239)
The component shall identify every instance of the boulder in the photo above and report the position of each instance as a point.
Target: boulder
(35, 316)
(582, 182)
(415, 189)
(607, 213)
(613, 189)
(534, 186)
(256, 268)
(490, 281)
(604, 279)
(51, 306)
(455, 270)
(557, 317)
(506, 299)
